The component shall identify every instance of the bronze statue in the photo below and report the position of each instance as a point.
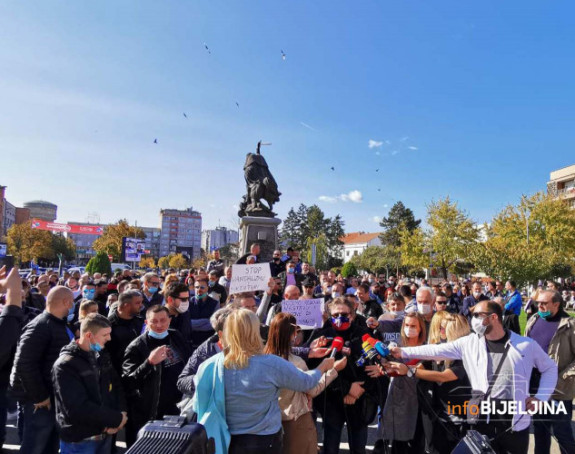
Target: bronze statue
(261, 185)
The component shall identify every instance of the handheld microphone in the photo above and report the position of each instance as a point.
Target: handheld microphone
(336, 345)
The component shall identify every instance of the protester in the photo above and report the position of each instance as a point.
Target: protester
(90, 405)
(368, 307)
(513, 301)
(470, 301)
(479, 352)
(510, 319)
(150, 290)
(245, 385)
(453, 302)
(216, 291)
(202, 307)
(277, 265)
(554, 330)
(226, 279)
(152, 365)
(300, 435)
(216, 264)
(254, 251)
(31, 380)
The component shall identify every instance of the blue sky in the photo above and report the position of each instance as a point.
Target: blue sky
(474, 100)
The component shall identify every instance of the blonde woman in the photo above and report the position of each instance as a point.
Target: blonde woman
(531, 305)
(437, 327)
(251, 383)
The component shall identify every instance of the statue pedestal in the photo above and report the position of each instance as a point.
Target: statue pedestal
(261, 230)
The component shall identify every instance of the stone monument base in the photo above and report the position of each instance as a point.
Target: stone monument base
(259, 230)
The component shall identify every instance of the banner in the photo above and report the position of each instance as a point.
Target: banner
(250, 278)
(40, 224)
(134, 248)
(308, 313)
(3, 249)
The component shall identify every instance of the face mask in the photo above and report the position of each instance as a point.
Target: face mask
(476, 295)
(423, 309)
(478, 326)
(291, 270)
(410, 331)
(184, 306)
(545, 314)
(152, 290)
(89, 294)
(97, 348)
(201, 297)
(340, 323)
(397, 313)
(158, 335)
(71, 314)
(211, 283)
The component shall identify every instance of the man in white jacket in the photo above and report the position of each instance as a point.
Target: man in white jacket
(481, 353)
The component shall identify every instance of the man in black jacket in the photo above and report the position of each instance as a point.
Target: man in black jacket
(178, 304)
(31, 378)
(88, 394)
(150, 290)
(254, 250)
(11, 322)
(368, 306)
(126, 326)
(152, 365)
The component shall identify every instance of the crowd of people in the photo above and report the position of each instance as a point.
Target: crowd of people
(83, 357)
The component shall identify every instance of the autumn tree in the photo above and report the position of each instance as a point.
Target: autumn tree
(111, 240)
(178, 261)
(27, 244)
(450, 237)
(164, 262)
(147, 262)
(532, 240)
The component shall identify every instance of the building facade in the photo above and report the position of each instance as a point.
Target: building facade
(181, 232)
(561, 184)
(83, 242)
(9, 217)
(40, 209)
(218, 237)
(153, 235)
(355, 243)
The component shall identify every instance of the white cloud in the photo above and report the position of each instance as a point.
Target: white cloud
(374, 143)
(403, 139)
(413, 148)
(326, 198)
(376, 219)
(352, 196)
(385, 205)
(394, 152)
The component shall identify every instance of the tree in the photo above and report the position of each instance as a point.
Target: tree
(229, 252)
(164, 262)
(375, 259)
(399, 218)
(533, 240)
(178, 261)
(100, 263)
(349, 270)
(64, 246)
(27, 244)
(450, 237)
(309, 226)
(147, 262)
(111, 240)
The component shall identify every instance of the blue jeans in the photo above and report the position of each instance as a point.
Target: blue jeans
(87, 447)
(560, 425)
(39, 434)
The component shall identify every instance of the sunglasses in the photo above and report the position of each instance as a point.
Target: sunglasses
(340, 314)
(479, 314)
(441, 302)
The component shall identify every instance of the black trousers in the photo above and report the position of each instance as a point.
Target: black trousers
(256, 444)
(505, 442)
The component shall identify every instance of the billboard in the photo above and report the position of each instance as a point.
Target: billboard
(133, 249)
(40, 224)
(3, 249)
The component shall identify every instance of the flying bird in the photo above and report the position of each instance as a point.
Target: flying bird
(333, 168)
(185, 115)
(378, 190)
(155, 140)
(207, 48)
(377, 170)
(237, 104)
(283, 55)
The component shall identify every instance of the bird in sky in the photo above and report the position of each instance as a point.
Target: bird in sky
(283, 55)
(238, 104)
(207, 48)
(185, 115)
(377, 170)
(378, 190)
(155, 140)
(333, 168)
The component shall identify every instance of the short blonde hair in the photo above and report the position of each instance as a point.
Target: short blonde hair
(435, 327)
(457, 326)
(241, 339)
(168, 280)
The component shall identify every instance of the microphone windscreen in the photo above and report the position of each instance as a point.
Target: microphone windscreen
(365, 337)
(337, 344)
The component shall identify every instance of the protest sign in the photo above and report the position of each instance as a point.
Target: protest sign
(308, 313)
(250, 278)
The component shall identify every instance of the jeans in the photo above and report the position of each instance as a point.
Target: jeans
(39, 434)
(256, 444)
(357, 437)
(87, 447)
(560, 426)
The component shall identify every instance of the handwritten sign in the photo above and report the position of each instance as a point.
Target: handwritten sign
(250, 278)
(308, 313)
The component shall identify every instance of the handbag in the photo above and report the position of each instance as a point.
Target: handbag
(477, 396)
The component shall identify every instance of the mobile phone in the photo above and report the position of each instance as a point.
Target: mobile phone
(8, 262)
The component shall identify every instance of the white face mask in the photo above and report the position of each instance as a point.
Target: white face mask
(183, 307)
(423, 309)
(397, 313)
(476, 295)
(478, 327)
(410, 331)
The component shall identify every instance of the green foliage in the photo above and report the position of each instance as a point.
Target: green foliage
(164, 262)
(178, 261)
(399, 218)
(100, 263)
(349, 269)
(111, 240)
(308, 226)
(26, 244)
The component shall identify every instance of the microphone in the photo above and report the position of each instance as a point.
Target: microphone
(336, 345)
(369, 354)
